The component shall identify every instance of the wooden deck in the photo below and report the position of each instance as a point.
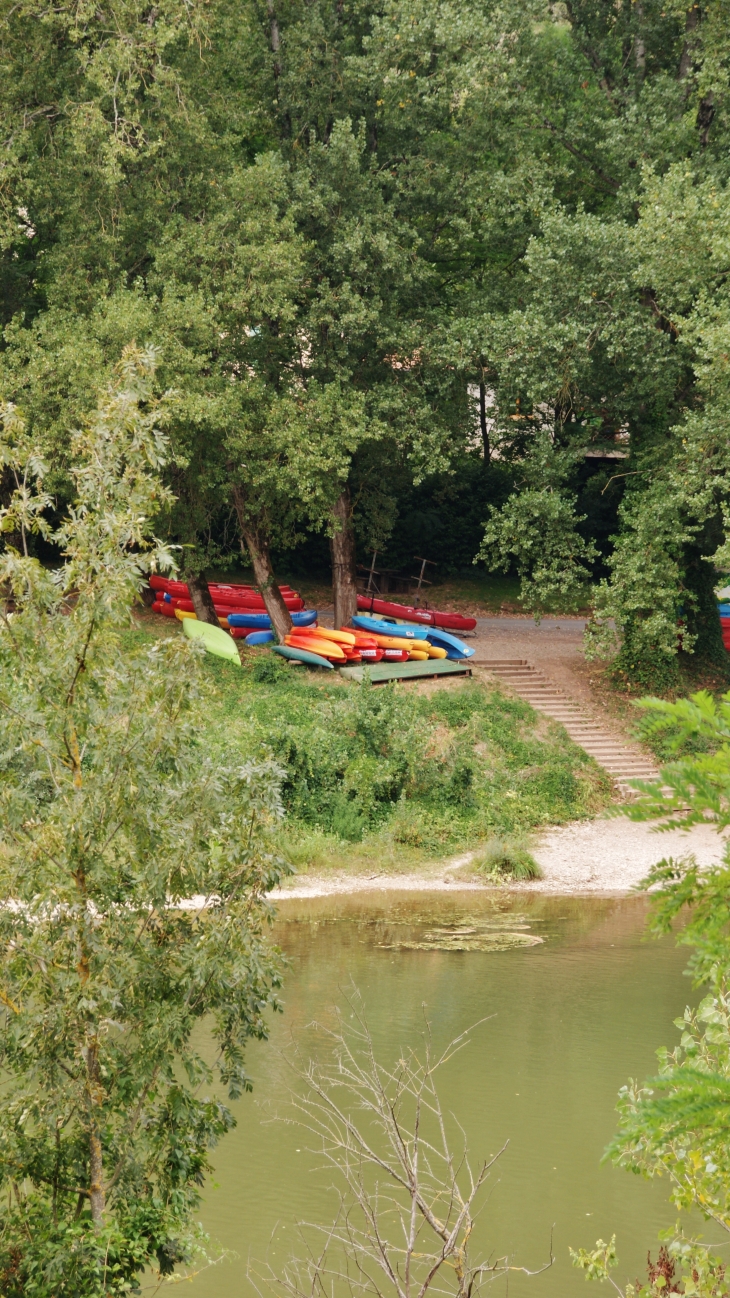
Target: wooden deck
(380, 673)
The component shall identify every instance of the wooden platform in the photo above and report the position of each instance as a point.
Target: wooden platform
(382, 672)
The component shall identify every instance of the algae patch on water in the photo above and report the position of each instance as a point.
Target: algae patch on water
(499, 934)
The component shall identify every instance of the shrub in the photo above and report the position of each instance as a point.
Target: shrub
(502, 856)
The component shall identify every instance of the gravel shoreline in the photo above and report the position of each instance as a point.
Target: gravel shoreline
(589, 858)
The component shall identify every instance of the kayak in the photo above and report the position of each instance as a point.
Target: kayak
(373, 655)
(225, 604)
(238, 589)
(441, 639)
(436, 636)
(430, 616)
(396, 642)
(181, 615)
(216, 641)
(344, 638)
(313, 644)
(380, 626)
(258, 637)
(301, 656)
(262, 621)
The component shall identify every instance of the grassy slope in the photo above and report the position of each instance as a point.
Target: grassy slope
(393, 777)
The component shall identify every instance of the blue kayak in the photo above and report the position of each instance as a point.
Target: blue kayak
(259, 637)
(388, 626)
(301, 656)
(262, 621)
(455, 648)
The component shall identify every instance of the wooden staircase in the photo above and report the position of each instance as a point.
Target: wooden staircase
(621, 760)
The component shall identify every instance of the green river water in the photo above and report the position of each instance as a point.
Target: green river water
(572, 1019)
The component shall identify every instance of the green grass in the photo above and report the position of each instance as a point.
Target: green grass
(393, 776)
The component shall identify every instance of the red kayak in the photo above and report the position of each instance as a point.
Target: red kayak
(225, 599)
(239, 598)
(429, 616)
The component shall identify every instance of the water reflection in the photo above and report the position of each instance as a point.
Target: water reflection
(569, 1019)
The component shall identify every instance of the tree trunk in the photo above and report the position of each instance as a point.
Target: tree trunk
(483, 421)
(258, 548)
(202, 599)
(344, 569)
(97, 1197)
(275, 41)
(691, 23)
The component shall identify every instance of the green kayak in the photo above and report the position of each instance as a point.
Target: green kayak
(216, 640)
(301, 656)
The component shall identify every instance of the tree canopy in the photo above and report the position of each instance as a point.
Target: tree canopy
(370, 241)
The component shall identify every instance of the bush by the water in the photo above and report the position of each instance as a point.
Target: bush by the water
(508, 859)
(396, 771)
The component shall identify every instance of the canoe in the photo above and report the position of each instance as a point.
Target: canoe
(167, 610)
(429, 616)
(242, 597)
(216, 641)
(391, 655)
(258, 637)
(419, 655)
(301, 656)
(262, 621)
(182, 588)
(225, 606)
(381, 626)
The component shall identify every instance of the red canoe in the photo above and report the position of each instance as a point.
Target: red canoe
(429, 616)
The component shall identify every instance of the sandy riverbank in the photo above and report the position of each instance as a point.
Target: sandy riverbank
(593, 857)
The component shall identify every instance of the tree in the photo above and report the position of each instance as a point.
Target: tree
(408, 1197)
(135, 873)
(676, 1124)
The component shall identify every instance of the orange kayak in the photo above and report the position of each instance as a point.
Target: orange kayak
(316, 645)
(396, 642)
(326, 633)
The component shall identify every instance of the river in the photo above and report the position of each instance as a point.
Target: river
(569, 1020)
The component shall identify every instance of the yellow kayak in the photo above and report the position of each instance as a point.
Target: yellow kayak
(182, 614)
(418, 655)
(433, 650)
(395, 642)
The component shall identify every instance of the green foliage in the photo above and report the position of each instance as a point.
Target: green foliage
(383, 765)
(536, 530)
(676, 1124)
(508, 859)
(134, 871)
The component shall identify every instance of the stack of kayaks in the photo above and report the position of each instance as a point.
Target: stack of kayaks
(369, 640)
(240, 608)
(433, 638)
(419, 616)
